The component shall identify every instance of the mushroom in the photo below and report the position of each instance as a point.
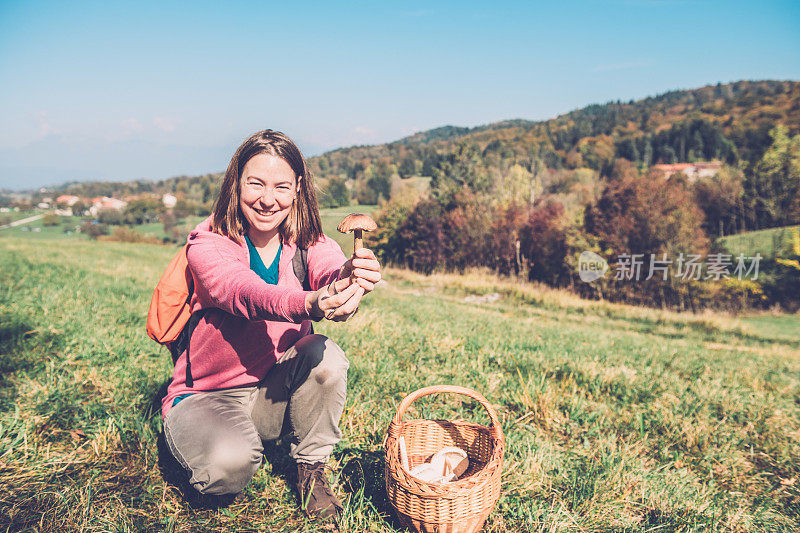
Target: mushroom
(455, 460)
(448, 464)
(357, 222)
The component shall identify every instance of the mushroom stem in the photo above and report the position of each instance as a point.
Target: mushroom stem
(358, 241)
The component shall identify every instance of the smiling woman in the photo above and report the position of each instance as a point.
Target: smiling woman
(257, 371)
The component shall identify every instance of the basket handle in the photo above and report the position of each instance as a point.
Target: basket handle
(453, 389)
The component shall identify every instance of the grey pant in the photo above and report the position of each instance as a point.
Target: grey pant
(217, 436)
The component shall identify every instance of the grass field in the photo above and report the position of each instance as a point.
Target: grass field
(767, 242)
(156, 229)
(616, 418)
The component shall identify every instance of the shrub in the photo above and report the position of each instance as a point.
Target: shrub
(126, 234)
(94, 229)
(111, 217)
(735, 295)
(781, 278)
(51, 219)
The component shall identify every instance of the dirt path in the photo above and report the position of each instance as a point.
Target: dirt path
(21, 221)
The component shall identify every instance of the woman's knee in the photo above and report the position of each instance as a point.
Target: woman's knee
(212, 438)
(224, 469)
(227, 469)
(321, 351)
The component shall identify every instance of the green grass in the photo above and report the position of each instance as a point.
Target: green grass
(616, 418)
(156, 229)
(767, 242)
(784, 327)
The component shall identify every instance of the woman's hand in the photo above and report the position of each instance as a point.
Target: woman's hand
(362, 269)
(330, 303)
(339, 300)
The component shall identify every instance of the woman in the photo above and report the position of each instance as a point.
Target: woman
(254, 370)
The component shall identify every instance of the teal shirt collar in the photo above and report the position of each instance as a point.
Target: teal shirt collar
(268, 274)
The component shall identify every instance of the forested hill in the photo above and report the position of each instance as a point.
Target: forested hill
(729, 122)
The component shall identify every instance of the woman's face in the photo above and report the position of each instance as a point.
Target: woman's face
(268, 190)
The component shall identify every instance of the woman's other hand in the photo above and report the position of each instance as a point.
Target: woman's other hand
(363, 269)
(335, 305)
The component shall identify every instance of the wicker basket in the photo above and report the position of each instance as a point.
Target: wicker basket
(461, 506)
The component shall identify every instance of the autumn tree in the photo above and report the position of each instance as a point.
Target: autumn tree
(720, 199)
(513, 186)
(421, 243)
(544, 242)
(407, 167)
(467, 220)
(387, 241)
(79, 208)
(142, 210)
(461, 169)
(335, 193)
(508, 225)
(773, 185)
(647, 214)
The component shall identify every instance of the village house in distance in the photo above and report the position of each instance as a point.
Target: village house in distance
(97, 204)
(693, 171)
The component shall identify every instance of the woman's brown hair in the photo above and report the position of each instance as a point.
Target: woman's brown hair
(302, 225)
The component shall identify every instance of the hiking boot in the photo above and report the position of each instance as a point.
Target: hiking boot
(316, 496)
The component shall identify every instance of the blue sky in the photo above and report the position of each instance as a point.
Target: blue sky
(118, 91)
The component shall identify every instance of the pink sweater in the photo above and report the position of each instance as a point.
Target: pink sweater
(250, 323)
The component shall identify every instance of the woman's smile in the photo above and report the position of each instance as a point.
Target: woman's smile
(265, 213)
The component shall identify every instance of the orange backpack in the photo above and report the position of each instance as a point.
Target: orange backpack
(169, 307)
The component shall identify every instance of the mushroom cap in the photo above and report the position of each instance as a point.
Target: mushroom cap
(355, 221)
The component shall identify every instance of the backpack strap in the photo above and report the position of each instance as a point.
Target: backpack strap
(300, 266)
(182, 343)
